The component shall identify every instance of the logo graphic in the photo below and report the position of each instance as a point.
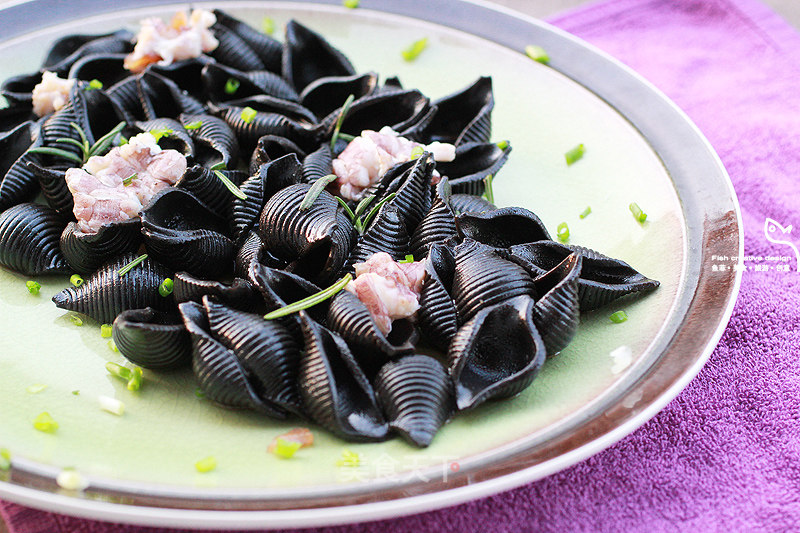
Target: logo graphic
(777, 234)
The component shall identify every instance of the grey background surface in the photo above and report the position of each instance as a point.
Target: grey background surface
(788, 9)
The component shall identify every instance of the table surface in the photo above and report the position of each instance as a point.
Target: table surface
(788, 9)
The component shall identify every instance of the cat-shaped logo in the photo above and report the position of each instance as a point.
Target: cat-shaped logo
(775, 233)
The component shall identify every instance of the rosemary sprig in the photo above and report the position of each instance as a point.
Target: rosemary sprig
(316, 189)
(337, 130)
(98, 148)
(130, 266)
(236, 191)
(361, 222)
(310, 301)
(488, 191)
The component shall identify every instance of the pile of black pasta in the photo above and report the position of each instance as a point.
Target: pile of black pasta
(499, 295)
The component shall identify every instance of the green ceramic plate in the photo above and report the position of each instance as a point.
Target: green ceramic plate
(639, 148)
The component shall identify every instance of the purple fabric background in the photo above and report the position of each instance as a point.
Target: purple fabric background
(725, 455)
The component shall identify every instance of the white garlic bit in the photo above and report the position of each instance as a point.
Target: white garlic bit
(51, 94)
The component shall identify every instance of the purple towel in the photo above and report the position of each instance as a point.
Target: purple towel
(725, 455)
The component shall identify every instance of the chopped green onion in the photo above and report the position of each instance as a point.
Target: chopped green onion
(349, 458)
(127, 181)
(76, 280)
(196, 125)
(119, 371)
(409, 259)
(199, 393)
(106, 330)
(45, 423)
(130, 266)
(111, 405)
(574, 155)
(232, 85)
(123, 140)
(95, 84)
(220, 166)
(113, 346)
(69, 479)
(310, 301)
(638, 214)
(76, 392)
(417, 152)
(231, 186)
(286, 449)
(537, 53)
(351, 4)
(315, 190)
(340, 119)
(135, 383)
(586, 212)
(161, 132)
(165, 289)
(75, 319)
(36, 388)
(33, 286)
(268, 25)
(248, 114)
(488, 191)
(563, 232)
(363, 223)
(207, 464)
(502, 145)
(415, 49)
(5, 459)
(619, 317)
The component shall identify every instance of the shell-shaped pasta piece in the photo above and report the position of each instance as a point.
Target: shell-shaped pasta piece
(464, 116)
(468, 203)
(85, 252)
(268, 50)
(152, 339)
(324, 95)
(307, 56)
(557, 312)
(29, 240)
(438, 319)
(224, 83)
(473, 163)
(438, 225)
(502, 228)
(18, 183)
(386, 233)
(240, 293)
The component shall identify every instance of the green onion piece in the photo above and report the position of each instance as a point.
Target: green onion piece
(5, 459)
(196, 125)
(563, 232)
(349, 458)
(586, 212)
(95, 84)
(133, 264)
(363, 223)
(207, 464)
(104, 143)
(123, 140)
(575, 154)
(56, 152)
(135, 383)
(119, 371)
(417, 152)
(127, 181)
(619, 317)
(268, 25)
(165, 289)
(362, 205)
(638, 214)
(36, 388)
(351, 4)
(45, 423)
(347, 210)
(232, 85)
(310, 301)
(315, 190)
(409, 259)
(488, 191)
(340, 119)
(231, 186)
(161, 132)
(33, 286)
(111, 405)
(75, 319)
(106, 330)
(76, 392)
(199, 393)
(503, 145)
(248, 114)
(537, 53)
(415, 49)
(220, 166)
(76, 280)
(286, 449)
(113, 346)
